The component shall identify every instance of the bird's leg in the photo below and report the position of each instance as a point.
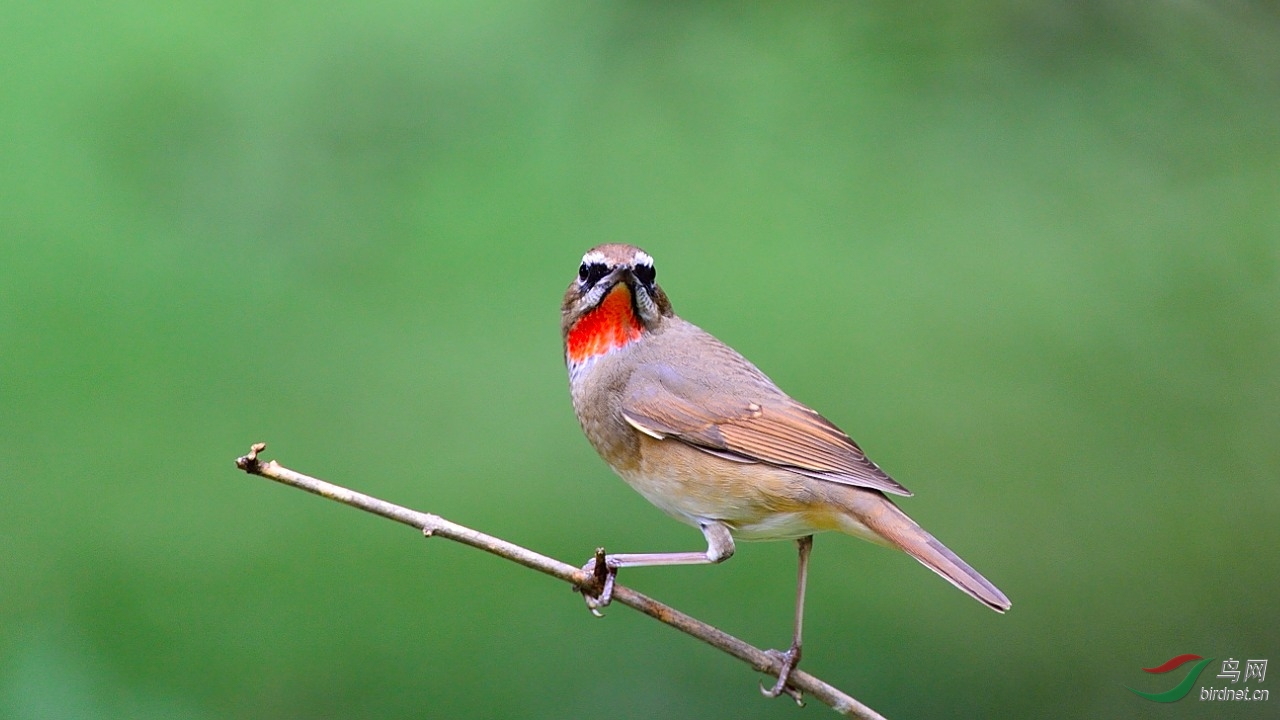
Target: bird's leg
(791, 657)
(719, 549)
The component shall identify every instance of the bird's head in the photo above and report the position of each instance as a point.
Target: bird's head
(614, 301)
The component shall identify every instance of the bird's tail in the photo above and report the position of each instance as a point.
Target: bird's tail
(875, 512)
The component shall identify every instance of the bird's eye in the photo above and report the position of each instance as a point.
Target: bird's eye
(645, 273)
(590, 273)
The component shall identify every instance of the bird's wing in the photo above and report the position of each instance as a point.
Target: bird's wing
(745, 424)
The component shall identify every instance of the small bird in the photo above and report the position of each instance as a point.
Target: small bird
(704, 435)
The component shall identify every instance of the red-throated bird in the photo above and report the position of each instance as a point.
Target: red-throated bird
(700, 432)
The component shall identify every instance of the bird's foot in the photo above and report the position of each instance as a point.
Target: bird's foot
(604, 573)
(788, 661)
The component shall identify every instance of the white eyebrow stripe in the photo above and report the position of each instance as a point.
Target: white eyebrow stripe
(643, 258)
(594, 257)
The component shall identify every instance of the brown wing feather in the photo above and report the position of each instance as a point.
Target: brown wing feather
(752, 424)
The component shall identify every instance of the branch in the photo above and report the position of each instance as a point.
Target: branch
(436, 526)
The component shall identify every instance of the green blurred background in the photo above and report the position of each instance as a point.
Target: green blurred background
(1026, 253)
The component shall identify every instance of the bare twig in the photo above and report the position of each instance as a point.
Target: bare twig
(436, 526)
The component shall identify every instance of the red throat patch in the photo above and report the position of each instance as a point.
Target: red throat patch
(609, 326)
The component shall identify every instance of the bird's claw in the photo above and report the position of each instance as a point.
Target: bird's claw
(604, 573)
(788, 661)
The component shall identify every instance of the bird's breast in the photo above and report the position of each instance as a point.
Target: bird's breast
(596, 385)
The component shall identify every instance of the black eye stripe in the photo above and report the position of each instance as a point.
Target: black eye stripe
(645, 273)
(590, 273)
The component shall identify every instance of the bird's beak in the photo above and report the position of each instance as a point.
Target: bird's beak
(617, 275)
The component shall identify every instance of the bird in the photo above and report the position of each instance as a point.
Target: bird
(701, 433)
